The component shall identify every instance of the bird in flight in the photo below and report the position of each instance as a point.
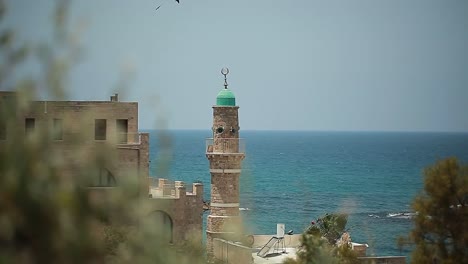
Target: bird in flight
(161, 5)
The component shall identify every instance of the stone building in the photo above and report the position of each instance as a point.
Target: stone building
(225, 152)
(179, 210)
(81, 129)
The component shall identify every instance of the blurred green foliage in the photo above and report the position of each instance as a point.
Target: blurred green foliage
(440, 234)
(319, 242)
(46, 216)
(330, 227)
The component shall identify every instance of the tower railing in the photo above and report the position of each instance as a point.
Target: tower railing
(225, 145)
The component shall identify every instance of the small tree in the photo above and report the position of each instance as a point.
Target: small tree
(330, 227)
(441, 224)
(319, 242)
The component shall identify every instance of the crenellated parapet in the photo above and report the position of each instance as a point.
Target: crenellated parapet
(182, 205)
(165, 188)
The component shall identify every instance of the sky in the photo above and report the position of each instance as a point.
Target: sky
(360, 65)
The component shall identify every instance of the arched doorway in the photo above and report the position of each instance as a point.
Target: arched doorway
(163, 222)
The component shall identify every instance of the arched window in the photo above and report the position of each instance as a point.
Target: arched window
(163, 223)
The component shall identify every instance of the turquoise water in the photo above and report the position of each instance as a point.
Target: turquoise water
(294, 177)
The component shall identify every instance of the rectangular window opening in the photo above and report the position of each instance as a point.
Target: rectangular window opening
(58, 129)
(100, 129)
(29, 125)
(3, 130)
(122, 130)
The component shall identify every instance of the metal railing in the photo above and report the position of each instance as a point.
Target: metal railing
(225, 145)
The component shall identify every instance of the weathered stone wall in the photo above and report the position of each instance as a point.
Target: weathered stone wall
(224, 188)
(383, 260)
(79, 118)
(143, 163)
(229, 252)
(289, 240)
(77, 145)
(185, 209)
(226, 117)
(225, 169)
(129, 158)
(133, 161)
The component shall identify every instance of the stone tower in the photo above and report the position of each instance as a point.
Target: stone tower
(225, 151)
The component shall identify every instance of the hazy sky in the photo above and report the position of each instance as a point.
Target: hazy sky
(295, 65)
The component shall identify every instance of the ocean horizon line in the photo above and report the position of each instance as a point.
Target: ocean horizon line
(321, 131)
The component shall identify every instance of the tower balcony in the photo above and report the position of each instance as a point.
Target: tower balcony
(225, 146)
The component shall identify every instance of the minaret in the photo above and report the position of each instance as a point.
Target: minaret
(225, 151)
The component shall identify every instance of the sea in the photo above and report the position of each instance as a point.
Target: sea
(294, 177)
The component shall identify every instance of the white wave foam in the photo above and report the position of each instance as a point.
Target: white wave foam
(404, 215)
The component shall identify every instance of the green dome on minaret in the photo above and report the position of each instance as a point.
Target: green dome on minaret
(225, 97)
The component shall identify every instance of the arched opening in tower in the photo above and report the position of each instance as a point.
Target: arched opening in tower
(163, 223)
